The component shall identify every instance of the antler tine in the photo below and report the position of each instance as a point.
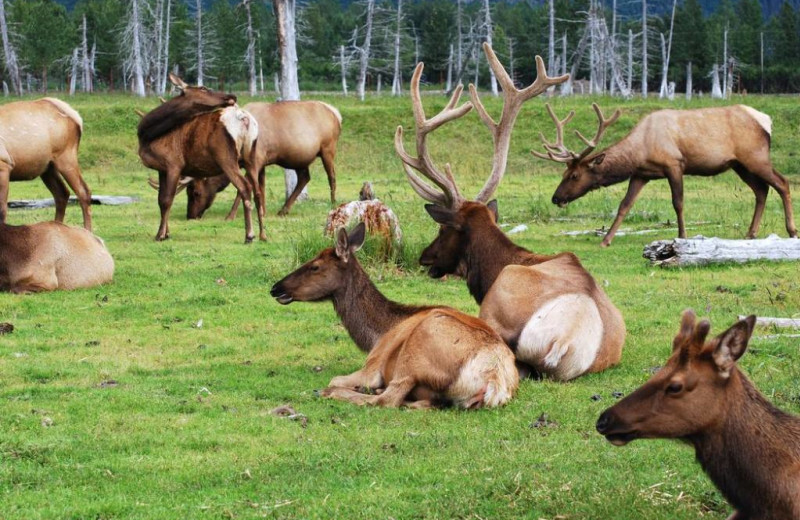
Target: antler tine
(450, 196)
(513, 98)
(556, 151)
(603, 124)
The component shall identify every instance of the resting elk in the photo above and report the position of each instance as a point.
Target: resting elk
(379, 218)
(749, 448)
(669, 144)
(417, 356)
(49, 255)
(40, 139)
(292, 134)
(198, 134)
(547, 308)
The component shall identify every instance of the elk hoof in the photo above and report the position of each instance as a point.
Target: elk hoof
(249, 239)
(160, 238)
(262, 237)
(605, 244)
(283, 212)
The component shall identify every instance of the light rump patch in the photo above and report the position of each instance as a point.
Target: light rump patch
(763, 119)
(242, 127)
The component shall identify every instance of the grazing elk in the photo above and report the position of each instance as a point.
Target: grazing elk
(749, 448)
(417, 356)
(670, 144)
(40, 139)
(50, 255)
(547, 308)
(292, 134)
(198, 134)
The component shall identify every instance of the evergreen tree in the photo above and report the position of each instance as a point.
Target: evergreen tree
(35, 18)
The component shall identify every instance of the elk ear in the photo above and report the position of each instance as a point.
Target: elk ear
(356, 237)
(342, 245)
(443, 216)
(178, 82)
(492, 205)
(598, 160)
(732, 344)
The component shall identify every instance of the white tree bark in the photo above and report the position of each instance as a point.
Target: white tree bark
(630, 58)
(137, 66)
(198, 19)
(86, 67)
(566, 87)
(644, 48)
(250, 55)
(365, 50)
(449, 85)
(488, 22)
(716, 92)
(397, 78)
(702, 251)
(161, 88)
(725, 63)
(12, 66)
(159, 51)
(663, 91)
(459, 42)
(343, 64)
(689, 81)
(73, 76)
(551, 41)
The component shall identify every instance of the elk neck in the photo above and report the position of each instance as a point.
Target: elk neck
(365, 312)
(617, 166)
(743, 453)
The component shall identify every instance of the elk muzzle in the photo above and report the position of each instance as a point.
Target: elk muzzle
(614, 429)
(558, 201)
(279, 292)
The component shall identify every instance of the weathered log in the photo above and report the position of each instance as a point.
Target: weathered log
(700, 250)
(107, 200)
(781, 323)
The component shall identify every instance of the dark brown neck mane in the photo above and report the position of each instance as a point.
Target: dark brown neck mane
(171, 115)
(365, 312)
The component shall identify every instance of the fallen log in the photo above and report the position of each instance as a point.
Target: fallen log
(107, 200)
(700, 250)
(781, 323)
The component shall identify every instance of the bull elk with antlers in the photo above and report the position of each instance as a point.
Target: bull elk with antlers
(749, 448)
(669, 144)
(418, 356)
(548, 308)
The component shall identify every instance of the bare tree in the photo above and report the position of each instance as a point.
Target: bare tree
(162, 81)
(725, 62)
(397, 78)
(459, 42)
(566, 87)
(665, 54)
(716, 92)
(250, 54)
(689, 81)
(133, 40)
(86, 67)
(200, 64)
(644, 48)
(343, 62)
(73, 76)
(551, 41)
(364, 51)
(12, 66)
(487, 20)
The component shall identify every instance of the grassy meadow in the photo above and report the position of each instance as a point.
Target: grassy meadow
(150, 397)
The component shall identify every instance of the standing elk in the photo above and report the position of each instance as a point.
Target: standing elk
(40, 139)
(547, 308)
(292, 134)
(669, 144)
(749, 448)
(50, 255)
(417, 356)
(198, 134)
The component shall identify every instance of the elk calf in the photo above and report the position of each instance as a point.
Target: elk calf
(749, 448)
(49, 255)
(418, 356)
(669, 144)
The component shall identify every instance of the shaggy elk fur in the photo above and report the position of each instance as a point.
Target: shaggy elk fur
(749, 448)
(49, 255)
(547, 308)
(418, 356)
(292, 134)
(669, 144)
(198, 134)
(40, 139)
(379, 218)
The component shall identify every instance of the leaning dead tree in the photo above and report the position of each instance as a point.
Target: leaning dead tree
(12, 66)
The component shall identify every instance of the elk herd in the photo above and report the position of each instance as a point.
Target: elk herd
(539, 314)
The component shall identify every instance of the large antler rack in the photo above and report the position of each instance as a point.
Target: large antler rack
(558, 152)
(513, 98)
(449, 196)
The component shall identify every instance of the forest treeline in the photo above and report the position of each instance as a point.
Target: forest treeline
(55, 48)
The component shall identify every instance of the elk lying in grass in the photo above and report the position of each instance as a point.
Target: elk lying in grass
(292, 134)
(379, 218)
(548, 308)
(49, 255)
(669, 144)
(418, 356)
(198, 134)
(749, 448)
(40, 139)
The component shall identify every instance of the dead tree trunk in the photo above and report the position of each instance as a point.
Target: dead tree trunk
(703, 251)
(73, 76)
(199, 37)
(665, 54)
(644, 48)
(365, 50)
(12, 67)
(689, 81)
(135, 25)
(250, 55)
(449, 84)
(716, 92)
(86, 68)
(725, 63)
(162, 81)
(488, 22)
(566, 87)
(459, 43)
(551, 41)
(343, 65)
(397, 79)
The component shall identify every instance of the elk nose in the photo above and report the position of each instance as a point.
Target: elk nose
(603, 422)
(276, 290)
(556, 200)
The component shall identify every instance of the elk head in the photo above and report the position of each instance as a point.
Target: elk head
(581, 175)
(688, 395)
(320, 277)
(201, 194)
(455, 215)
(201, 96)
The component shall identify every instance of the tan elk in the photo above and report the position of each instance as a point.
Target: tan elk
(417, 356)
(292, 134)
(749, 448)
(669, 144)
(198, 134)
(548, 308)
(40, 139)
(50, 255)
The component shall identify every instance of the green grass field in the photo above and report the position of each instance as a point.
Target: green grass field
(150, 397)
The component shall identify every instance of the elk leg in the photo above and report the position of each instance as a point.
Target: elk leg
(245, 193)
(234, 208)
(634, 187)
(68, 167)
(251, 178)
(760, 189)
(676, 187)
(327, 161)
(363, 378)
(781, 185)
(167, 185)
(302, 179)
(262, 175)
(59, 190)
(5, 178)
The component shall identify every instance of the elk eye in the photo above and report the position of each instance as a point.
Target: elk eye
(314, 267)
(674, 388)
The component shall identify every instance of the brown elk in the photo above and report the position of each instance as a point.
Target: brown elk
(417, 356)
(669, 144)
(292, 134)
(749, 448)
(49, 255)
(40, 139)
(548, 308)
(198, 134)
